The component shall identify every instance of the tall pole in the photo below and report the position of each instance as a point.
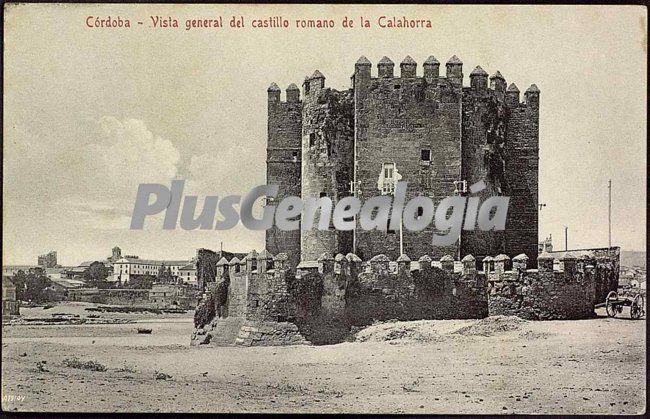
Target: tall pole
(401, 237)
(609, 215)
(566, 238)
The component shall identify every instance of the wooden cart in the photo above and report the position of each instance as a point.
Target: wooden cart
(614, 305)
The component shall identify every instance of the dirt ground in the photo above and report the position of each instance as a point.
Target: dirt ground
(495, 365)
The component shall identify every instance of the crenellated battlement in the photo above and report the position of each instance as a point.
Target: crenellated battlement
(292, 94)
(318, 301)
(562, 287)
(408, 70)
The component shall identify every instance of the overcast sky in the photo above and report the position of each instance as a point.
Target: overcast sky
(91, 113)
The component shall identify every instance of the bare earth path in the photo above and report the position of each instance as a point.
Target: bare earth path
(592, 366)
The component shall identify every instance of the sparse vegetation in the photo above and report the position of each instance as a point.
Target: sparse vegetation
(162, 376)
(127, 368)
(87, 365)
(40, 366)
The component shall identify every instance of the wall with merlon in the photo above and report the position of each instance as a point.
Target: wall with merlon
(396, 118)
(607, 263)
(553, 291)
(480, 132)
(283, 162)
(321, 301)
(521, 176)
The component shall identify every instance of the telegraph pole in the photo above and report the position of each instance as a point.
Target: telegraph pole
(609, 215)
(566, 238)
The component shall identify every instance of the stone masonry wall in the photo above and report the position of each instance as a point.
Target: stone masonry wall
(522, 172)
(606, 262)
(479, 132)
(484, 124)
(396, 119)
(268, 303)
(283, 161)
(544, 293)
(328, 158)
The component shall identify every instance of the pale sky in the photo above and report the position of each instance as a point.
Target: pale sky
(91, 113)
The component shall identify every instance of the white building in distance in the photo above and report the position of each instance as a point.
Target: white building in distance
(127, 267)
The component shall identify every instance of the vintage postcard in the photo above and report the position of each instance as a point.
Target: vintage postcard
(415, 209)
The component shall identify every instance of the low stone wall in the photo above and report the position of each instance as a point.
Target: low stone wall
(265, 302)
(127, 297)
(543, 293)
(423, 291)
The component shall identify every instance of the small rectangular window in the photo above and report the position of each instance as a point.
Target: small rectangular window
(461, 186)
(295, 156)
(323, 194)
(388, 178)
(425, 155)
(420, 212)
(312, 139)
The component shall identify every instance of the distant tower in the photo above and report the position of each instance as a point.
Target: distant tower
(48, 260)
(117, 254)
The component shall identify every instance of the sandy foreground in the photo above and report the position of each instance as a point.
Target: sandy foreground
(505, 365)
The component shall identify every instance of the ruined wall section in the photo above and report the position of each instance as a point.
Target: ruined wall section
(414, 123)
(328, 159)
(283, 162)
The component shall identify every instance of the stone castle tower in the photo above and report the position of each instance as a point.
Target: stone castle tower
(440, 136)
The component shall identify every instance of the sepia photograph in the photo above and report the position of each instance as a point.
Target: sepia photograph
(324, 208)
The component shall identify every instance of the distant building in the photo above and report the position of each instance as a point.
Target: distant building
(187, 274)
(80, 271)
(130, 266)
(47, 260)
(173, 296)
(56, 273)
(65, 284)
(10, 303)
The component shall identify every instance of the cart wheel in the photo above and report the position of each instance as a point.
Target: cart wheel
(609, 306)
(637, 308)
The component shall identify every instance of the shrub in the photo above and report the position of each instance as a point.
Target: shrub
(205, 311)
(88, 365)
(127, 368)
